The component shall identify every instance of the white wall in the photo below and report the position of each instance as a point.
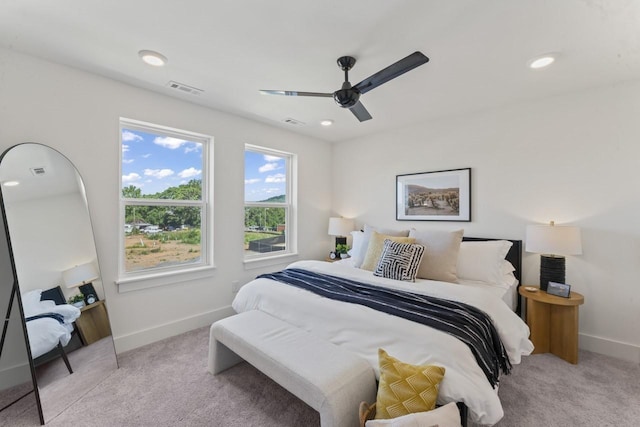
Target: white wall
(77, 113)
(573, 159)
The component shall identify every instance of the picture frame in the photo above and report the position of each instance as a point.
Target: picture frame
(559, 289)
(434, 196)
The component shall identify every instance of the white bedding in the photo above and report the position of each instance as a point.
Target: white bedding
(45, 333)
(364, 330)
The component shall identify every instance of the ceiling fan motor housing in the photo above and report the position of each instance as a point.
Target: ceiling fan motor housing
(346, 97)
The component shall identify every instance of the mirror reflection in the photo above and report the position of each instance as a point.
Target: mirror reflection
(63, 301)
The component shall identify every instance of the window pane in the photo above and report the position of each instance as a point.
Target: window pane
(264, 230)
(161, 236)
(160, 167)
(265, 178)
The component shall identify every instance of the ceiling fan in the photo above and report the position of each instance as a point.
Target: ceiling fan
(349, 96)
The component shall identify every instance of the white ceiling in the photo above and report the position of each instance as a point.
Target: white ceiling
(478, 51)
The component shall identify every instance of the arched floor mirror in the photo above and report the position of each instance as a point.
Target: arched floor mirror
(56, 341)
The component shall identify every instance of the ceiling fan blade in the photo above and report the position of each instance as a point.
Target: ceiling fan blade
(360, 112)
(392, 71)
(295, 93)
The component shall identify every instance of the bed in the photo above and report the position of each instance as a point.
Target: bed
(364, 330)
(49, 325)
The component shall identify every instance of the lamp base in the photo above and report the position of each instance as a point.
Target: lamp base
(552, 269)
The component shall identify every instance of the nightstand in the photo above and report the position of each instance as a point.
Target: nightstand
(93, 323)
(553, 322)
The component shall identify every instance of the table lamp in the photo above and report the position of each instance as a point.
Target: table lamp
(553, 242)
(81, 276)
(340, 227)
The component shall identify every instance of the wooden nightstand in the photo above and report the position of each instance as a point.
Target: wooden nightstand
(93, 323)
(554, 323)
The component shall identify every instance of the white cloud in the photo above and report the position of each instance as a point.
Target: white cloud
(279, 177)
(272, 159)
(268, 167)
(192, 148)
(146, 156)
(130, 177)
(158, 173)
(189, 173)
(252, 181)
(125, 148)
(127, 161)
(130, 136)
(169, 142)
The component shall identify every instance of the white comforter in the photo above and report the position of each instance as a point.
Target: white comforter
(364, 330)
(45, 333)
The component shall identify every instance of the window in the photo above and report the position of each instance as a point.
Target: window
(163, 199)
(268, 203)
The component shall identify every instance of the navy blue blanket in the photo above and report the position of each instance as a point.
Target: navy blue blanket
(467, 323)
(56, 316)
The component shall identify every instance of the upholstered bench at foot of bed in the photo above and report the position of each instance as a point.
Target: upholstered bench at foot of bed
(330, 379)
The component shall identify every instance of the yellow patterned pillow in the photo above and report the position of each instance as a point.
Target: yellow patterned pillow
(374, 250)
(404, 388)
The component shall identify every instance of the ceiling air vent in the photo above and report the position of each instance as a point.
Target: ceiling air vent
(294, 122)
(184, 88)
(37, 171)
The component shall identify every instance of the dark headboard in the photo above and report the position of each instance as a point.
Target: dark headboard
(514, 256)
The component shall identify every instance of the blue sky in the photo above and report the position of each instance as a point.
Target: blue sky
(154, 163)
(264, 176)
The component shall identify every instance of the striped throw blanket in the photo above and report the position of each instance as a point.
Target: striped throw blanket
(56, 316)
(467, 323)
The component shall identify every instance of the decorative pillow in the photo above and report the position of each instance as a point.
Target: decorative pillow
(441, 253)
(399, 261)
(376, 243)
(404, 389)
(364, 244)
(444, 416)
(483, 261)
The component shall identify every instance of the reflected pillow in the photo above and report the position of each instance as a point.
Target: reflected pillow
(444, 416)
(374, 250)
(356, 244)
(399, 261)
(404, 389)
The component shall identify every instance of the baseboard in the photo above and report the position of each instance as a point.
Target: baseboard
(15, 375)
(147, 336)
(608, 347)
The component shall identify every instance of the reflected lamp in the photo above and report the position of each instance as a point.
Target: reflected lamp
(340, 227)
(553, 242)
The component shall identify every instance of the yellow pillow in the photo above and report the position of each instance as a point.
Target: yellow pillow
(404, 388)
(374, 250)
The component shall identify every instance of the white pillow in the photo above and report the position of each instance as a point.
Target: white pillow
(483, 261)
(31, 302)
(364, 244)
(356, 243)
(444, 416)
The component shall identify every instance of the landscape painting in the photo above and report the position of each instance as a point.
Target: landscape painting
(434, 196)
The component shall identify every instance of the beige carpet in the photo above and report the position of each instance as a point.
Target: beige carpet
(166, 384)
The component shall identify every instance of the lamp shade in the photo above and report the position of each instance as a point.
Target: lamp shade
(80, 275)
(553, 239)
(340, 226)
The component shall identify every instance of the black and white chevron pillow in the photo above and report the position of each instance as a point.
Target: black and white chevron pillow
(399, 261)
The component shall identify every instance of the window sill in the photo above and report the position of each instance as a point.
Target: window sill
(255, 263)
(147, 281)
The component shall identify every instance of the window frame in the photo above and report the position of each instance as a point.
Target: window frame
(157, 276)
(290, 206)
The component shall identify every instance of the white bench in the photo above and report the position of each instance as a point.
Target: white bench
(330, 379)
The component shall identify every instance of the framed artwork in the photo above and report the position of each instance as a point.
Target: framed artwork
(434, 196)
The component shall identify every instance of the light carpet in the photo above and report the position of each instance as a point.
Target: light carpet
(166, 384)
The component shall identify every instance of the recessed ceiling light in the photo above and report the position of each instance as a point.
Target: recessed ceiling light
(10, 183)
(542, 61)
(153, 58)
(326, 122)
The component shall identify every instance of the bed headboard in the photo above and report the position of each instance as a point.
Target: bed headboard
(514, 256)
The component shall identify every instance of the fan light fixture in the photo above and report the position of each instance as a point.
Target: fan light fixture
(153, 58)
(542, 61)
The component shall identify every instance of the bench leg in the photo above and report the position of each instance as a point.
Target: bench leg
(221, 357)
